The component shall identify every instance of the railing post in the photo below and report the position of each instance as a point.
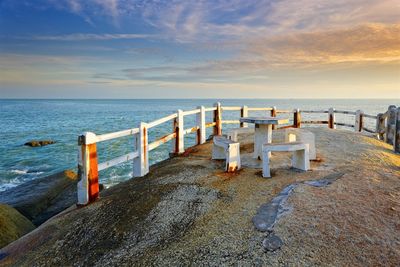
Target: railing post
(244, 112)
(141, 163)
(390, 125)
(331, 121)
(180, 138)
(358, 125)
(380, 126)
(201, 123)
(218, 119)
(296, 119)
(88, 185)
(174, 142)
(273, 114)
(396, 143)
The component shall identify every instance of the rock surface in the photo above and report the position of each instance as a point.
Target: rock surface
(36, 143)
(40, 199)
(272, 242)
(187, 211)
(13, 225)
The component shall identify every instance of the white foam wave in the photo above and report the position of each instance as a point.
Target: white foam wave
(19, 171)
(23, 172)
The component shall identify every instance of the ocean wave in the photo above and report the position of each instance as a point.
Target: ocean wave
(6, 186)
(26, 172)
(114, 179)
(19, 171)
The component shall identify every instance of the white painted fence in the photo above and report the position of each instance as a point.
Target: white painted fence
(387, 129)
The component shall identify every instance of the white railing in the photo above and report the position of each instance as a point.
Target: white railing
(387, 128)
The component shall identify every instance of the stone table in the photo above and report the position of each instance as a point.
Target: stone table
(263, 131)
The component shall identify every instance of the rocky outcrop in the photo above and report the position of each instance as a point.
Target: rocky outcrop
(13, 225)
(36, 143)
(188, 212)
(40, 199)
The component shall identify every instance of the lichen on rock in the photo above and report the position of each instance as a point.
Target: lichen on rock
(13, 225)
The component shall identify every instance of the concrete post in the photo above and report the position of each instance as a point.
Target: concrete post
(218, 119)
(201, 122)
(396, 143)
(141, 163)
(273, 114)
(390, 125)
(244, 112)
(297, 119)
(380, 126)
(358, 125)
(88, 185)
(331, 120)
(180, 135)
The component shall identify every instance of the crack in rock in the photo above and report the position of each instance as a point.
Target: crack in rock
(327, 180)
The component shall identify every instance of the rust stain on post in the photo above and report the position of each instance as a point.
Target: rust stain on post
(93, 174)
(177, 140)
(297, 119)
(232, 168)
(273, 114)
(198, 136)
(242, 115)
(217, 120)
(176, 131)
(331, 121)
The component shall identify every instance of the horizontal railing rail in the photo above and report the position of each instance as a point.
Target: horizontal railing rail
(387, 129)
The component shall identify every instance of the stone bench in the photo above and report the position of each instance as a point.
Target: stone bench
(300, 158)
(233, 133)
(224, 148)
(304, 136)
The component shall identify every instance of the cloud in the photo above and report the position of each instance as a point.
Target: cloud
(91, 36)
(213, 21)
(193, 21)
(368, 48)
(369, 42)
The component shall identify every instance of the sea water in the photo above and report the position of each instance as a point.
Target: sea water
(63, 120)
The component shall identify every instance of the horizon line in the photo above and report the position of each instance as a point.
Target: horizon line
(207, 98)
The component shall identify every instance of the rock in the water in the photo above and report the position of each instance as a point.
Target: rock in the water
(41, 199)
(36, 143)
(272, 242)
(13, 225)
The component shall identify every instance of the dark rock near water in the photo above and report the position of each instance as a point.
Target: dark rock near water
(36, 143)
(40, 199)
(272, 242)
(13, 225)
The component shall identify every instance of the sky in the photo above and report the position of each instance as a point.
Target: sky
(200, 49)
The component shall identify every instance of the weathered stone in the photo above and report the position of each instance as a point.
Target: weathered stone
(13, 225)
(36, 143)
(268, 213)
(40, 199)
(325, 181)
(272, 242)
(173, 217)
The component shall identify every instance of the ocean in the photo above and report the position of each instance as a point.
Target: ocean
(63, 120)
